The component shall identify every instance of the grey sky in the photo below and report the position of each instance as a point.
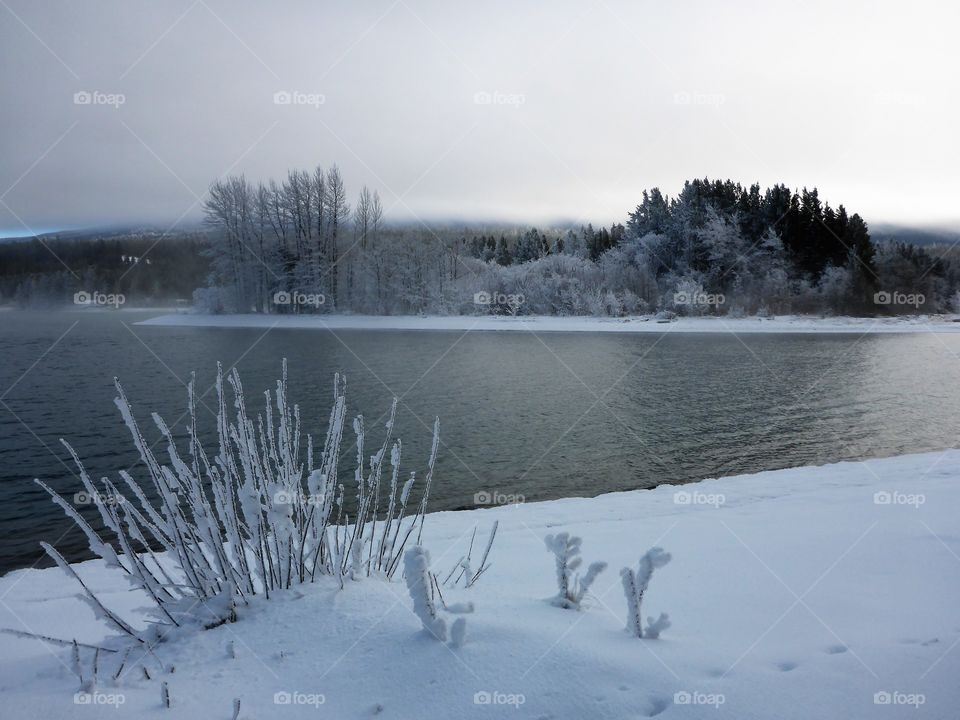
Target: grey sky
(494, 110)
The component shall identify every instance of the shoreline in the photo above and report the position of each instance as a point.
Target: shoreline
(538, 323)
(829, 585)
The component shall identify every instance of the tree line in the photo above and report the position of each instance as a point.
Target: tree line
(145, 268)
(299, 245)
(716, 247)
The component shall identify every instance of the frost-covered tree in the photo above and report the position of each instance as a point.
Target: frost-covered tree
(571, 587)
(635, 584)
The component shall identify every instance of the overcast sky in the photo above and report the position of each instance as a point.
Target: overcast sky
(495, 110)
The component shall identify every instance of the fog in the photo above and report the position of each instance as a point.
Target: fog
(123, 112)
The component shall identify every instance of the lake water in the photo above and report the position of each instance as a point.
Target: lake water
(548, 416)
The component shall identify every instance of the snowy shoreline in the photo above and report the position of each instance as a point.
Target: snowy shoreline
(809, 592)
(537, 324)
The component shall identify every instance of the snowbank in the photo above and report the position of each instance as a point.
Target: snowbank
(783, 324)
(821, 592)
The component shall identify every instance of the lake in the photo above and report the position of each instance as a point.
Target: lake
(522, 415)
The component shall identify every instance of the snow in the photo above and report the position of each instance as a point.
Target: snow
(818, 592)
(528, 323)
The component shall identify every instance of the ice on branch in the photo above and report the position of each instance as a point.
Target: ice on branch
(635, 584)
(571, 586)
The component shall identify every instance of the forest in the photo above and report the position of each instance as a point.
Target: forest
(716, 247)
(300, 246)
(146, 268)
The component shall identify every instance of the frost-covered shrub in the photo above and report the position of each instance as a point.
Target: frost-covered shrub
(635, 585)
(464, 568)
(253, 517)
(420, 585)
(571, 587)
(416, 571)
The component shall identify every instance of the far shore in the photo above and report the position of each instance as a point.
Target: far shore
(536, 324)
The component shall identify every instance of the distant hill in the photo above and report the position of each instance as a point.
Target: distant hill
(105, 233)
(920, 236)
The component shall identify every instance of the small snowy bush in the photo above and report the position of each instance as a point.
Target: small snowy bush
(571, 587)
(252, 518)
(416, 571)
(420, 584)
(635, 585)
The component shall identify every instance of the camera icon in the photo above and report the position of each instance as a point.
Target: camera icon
(682, 98)
(282, 297)
(82, 498)
(82, 98)
(882, 498)
(481, 298)
(282, 497)
(682, 698)
(482, 98)
(482, 698)
(681, 298)
(282, 698)
(82, 298)
(282, 98)
(482, 498)
(682, 497)
(882, 298)
(882, 698)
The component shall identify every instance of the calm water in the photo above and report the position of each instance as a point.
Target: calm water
(565, 414)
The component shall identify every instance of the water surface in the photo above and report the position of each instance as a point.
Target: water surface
(540, 416)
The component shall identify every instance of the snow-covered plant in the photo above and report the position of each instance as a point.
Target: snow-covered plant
(416, 571)
(253, 517)
(466, 571)
(571, 586)
(420, 585)
(635, 585)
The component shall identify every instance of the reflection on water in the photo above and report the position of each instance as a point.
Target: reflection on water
(554, 415)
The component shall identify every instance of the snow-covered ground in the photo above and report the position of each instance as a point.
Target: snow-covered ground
(820, 592)
(781, 324)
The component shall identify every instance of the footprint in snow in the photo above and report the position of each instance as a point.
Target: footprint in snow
(836, 649)
(786, 666)
(656, 705)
